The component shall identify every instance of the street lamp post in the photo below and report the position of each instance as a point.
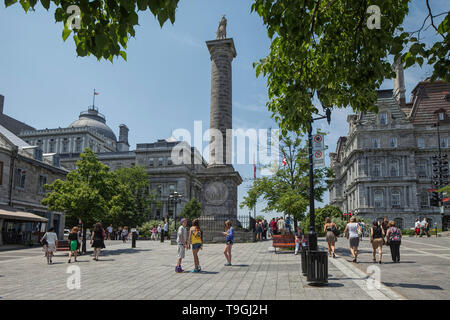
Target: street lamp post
(312, 235)
(175, 197)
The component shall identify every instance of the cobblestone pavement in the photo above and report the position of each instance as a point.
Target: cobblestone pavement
(147, 272)
(423, 272)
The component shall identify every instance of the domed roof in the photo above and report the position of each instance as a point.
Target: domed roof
(92, 118)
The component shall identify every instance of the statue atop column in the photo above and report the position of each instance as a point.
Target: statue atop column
(222, 29)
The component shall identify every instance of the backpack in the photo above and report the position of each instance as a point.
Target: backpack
(335, 230)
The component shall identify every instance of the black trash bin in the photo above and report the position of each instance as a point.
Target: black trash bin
(317, 267)
(303, 259)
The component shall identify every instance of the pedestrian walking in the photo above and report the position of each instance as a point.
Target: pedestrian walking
(288, 225)
(351, 231)
(159, 233)
(182, 242)
(416, 228)
(196, 239)
(73, 244)
(265, 229)
(394, 236)
(153, 233)
(377, 240)
(119, 233)
(124, 234)
(330, 228)
(110, 231)
(258, 230)
(385, 224)
(166, 229)
(229, 234)
(298, 239)
(362, 225)
(50, 237)
(97, 240)
(271, 225)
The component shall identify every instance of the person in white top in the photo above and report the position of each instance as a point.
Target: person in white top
(352, 231)
(50, 237)
(417, 228)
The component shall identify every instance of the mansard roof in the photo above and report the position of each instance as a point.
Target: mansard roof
(385, 102)
(427, 98)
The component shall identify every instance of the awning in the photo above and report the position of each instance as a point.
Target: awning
(10, 213)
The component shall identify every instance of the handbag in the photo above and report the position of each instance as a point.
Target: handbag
(335, 231)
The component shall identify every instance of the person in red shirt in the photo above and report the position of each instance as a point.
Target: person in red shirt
(273, 224)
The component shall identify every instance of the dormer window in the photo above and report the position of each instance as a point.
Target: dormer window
(441, 116)
(383, 118)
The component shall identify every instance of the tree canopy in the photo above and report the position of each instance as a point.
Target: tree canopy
(192, 210)
(105, 25)
(287, 190)
(326, 48)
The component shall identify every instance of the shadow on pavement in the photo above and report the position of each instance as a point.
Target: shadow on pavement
(240, 265)
(335, 285)
(412, 286)
(122, 251)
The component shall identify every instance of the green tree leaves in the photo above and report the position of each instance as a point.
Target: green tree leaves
(191, 210)
(106, 25)
(326, 47)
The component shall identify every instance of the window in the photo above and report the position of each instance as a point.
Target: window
(51, 147)
(169, 161)
(376, 143)
(383, 118)
(420, 143)
(422, 169)
(378, 199)
(65, 145)
(39, 144)
(1, 173)
(151, 162)
(394, 168)
(393, 143)
(444, 143)
(42, 181)
(441, 116)
(395, 199)
(424, 200)
(160, 161)
(171, 188)
(376, 169)
(159, 190)
(78, 145)
(20, 178)
(399, 223)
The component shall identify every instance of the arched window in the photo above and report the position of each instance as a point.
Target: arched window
(394, 168)
(399, 223)
(395, 199)
(378, 199)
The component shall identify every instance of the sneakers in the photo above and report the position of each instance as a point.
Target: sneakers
(227, 264)
(178, 269)
(199, 268)
(196, 271)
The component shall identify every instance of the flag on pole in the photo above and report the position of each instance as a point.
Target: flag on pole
(284, 161)
(96, 93)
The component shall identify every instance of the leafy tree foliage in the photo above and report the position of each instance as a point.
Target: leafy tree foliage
(325, 47)
(333, 212)
(287, 190)
(105, 25)
(93, 193)
(191, 210)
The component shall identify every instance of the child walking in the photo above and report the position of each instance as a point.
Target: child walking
(196, 239)
(182, 244)
(229, 233)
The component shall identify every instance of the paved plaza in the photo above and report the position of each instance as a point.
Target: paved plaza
(147, 272)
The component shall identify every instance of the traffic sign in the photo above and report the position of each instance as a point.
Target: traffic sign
(318, 158)
(318, 143)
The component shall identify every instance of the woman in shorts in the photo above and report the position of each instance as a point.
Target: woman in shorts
(229, 233)
(196, 239)
(377, 240)
(351, 232)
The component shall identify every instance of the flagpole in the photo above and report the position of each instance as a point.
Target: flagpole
(93, 100)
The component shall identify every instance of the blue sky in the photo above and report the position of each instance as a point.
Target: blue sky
(164, 85)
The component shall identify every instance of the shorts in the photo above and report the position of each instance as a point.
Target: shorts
(354, 242)
(416, 230)
(377, 243)
(196, 246)
(181, 251)
(229, 242)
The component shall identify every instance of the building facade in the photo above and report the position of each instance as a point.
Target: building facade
(384, 166)
(24, 171)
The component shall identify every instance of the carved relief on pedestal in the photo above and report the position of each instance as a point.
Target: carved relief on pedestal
(216, 193)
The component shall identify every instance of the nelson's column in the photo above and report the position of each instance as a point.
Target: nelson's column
(220, 180)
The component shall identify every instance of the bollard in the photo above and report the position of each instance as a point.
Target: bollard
(303, 259)
(133, 239)
(317, 267)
